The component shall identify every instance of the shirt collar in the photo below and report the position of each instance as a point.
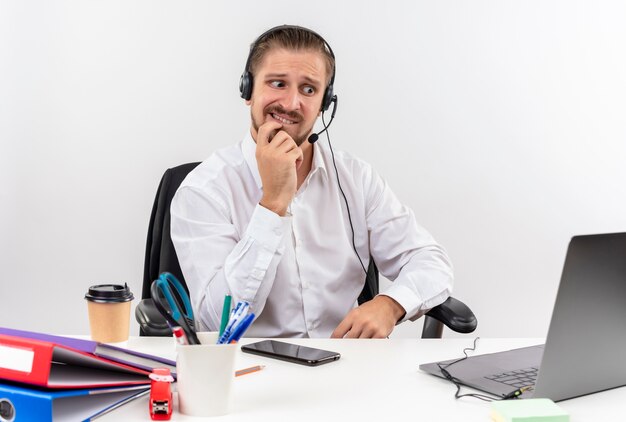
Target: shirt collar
(248, 148)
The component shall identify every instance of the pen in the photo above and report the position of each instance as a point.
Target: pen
(235, 311)
(225, 313)
(179, 335)
(249, 370)
(239, 312)
(240, 329)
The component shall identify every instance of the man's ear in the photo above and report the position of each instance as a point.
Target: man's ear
(248, 102)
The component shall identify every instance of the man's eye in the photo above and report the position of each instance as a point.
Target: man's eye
(309, 90)
(277, 84)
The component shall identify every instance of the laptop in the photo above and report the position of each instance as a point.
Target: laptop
(586, 339)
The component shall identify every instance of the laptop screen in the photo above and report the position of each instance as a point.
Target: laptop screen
(587, 335)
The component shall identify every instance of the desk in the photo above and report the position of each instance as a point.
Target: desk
(373, 380)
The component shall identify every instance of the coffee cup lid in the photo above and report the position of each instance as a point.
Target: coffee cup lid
(109, 293)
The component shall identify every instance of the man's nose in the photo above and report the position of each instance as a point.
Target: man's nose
(291, 99)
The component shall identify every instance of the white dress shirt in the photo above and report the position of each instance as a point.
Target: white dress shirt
(299, 273)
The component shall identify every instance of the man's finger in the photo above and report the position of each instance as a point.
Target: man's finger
(265, 132)
(342, 329)
(355, 332)
(299, 157)
(283, 142)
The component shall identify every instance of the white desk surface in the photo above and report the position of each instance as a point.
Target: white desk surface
(373, 380)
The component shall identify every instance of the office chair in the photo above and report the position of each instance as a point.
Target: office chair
(161, 256)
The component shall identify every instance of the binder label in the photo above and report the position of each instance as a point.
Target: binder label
(16, 359)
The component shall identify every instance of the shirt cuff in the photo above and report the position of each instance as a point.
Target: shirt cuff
(407, 298)
(267, 227)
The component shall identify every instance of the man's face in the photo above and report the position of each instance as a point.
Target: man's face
(288, 88)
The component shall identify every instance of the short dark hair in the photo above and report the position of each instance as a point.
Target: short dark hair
(291, 38)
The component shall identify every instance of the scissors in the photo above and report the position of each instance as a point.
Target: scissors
(168, 293)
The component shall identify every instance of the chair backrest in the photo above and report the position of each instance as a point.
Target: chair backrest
(160, 253)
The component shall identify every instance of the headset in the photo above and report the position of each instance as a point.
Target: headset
(246, 81)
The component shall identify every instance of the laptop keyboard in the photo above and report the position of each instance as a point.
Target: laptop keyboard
(518, 379)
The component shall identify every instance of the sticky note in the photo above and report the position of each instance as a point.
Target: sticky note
(527, 410)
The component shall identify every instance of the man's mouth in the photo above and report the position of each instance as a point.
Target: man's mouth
(282, 119)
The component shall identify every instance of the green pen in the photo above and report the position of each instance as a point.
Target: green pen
(225, 313)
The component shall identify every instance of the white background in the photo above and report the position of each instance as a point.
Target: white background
(501, 123)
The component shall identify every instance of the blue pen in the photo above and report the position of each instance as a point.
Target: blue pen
(240, 329)
(234, 311)
(241, 310)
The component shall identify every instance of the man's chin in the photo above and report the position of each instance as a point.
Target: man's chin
(299, 139)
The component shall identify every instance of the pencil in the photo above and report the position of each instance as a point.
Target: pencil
(249, 370)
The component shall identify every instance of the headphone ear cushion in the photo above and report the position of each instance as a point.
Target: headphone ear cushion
(245, 86)
(328, 98)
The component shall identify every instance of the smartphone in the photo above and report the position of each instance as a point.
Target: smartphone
(291, 352)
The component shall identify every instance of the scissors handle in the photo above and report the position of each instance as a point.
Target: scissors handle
(176, 313)
(186, 311)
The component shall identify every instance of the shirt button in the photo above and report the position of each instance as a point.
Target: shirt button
(258, 274)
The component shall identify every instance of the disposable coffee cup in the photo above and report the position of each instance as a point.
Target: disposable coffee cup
(205, 376)
(109, 312)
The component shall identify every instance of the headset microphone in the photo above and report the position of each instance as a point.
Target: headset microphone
(315, 136)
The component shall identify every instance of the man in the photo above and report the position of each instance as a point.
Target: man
(270, 221)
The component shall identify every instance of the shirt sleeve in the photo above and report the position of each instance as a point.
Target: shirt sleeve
(405, 252)
(216, 260)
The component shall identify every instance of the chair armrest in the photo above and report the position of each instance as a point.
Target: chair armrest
(150, 320)
(456, 315)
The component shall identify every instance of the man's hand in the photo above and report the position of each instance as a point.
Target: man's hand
(278, 158)
(373, 319)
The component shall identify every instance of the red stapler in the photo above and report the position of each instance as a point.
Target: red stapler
(161, 394)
